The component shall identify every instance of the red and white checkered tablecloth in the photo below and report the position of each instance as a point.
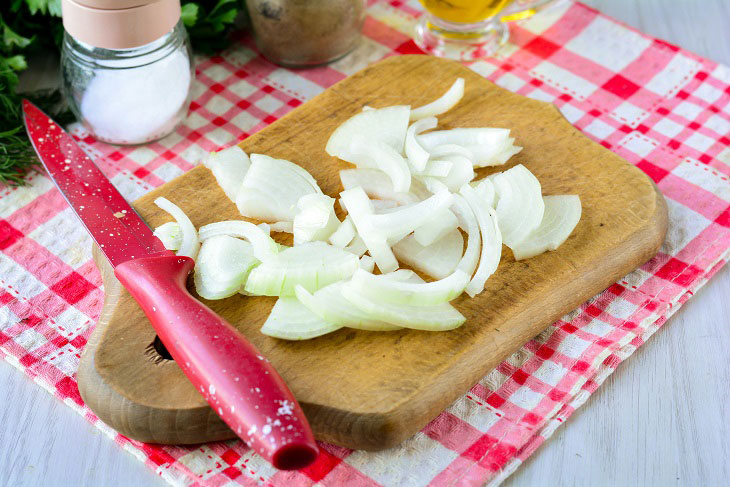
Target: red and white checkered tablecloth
(659, 107)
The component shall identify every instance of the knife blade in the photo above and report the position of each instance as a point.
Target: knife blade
(237, 381)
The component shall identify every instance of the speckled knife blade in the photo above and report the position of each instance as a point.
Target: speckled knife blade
(118, 230)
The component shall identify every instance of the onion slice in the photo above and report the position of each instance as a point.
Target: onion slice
(367, 263)
(440, 224)
(437, 260)
(417, 155)
(291, 320)
(360, 209)
(441, 105)
(170, 235)
(397, 224)
(377, 230)
(312, 265)
(344, 234)
(438, 317)
(485, 190)
(438, 168)
(329, 305)
(520, 205)
(491, 240)
(357, 246)
(264, 247)
(380, 288)
(281, 227)
(470, 225)
(272, 187)
(562, 214)
(377, 185)
(450, 150)
(315, 218)
(374, 154)
(190, 243)
(387, 125)
(487, 146)
(229, 167)
(462, 171)
(222, 266)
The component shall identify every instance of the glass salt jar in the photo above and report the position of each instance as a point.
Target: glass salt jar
(126, 67)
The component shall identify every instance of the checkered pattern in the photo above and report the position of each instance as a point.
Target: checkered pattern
(661, 108)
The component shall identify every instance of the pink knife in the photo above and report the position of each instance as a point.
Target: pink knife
(235, 379)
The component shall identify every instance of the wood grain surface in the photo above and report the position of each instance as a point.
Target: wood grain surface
(366, 403)
(675, 387)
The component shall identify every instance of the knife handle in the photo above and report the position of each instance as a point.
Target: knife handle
(237, 381)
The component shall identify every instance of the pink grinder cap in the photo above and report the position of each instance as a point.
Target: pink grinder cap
(119, 24)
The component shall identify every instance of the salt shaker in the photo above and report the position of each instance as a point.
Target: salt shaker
(301, 33)
(127, 67)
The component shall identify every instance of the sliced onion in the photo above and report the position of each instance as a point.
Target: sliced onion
(315, 218)
(485, 190)
(190, 243)
(462, 172)
(499, 158)
(222, 266)
(470, 225)
(437, 260)
(417, 155)
(434, 185)
(385, 206)
(377, 185)
(344, 234)
(283, 227)
(450, 150)
(367, 263)
(361, 211)
(374, 154)
(464, 137)
(488, 146)
(380, 288)
(438, 168)
(443, 104)
(440, 224)
(561, 215)
(387, 125)
(312, 265)
(329, 305)
(438, 317)
(272, 187)
(229, 167)
(491, 240)
(291, 320)
(357, 246)
(264, 247)
(397, 224)
(520, 205)
(170, 235)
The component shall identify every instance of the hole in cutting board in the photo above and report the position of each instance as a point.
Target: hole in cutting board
(157, 352)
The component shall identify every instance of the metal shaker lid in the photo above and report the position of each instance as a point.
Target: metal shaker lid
(119, 24)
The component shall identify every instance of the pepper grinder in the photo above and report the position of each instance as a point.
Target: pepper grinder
(126, 67)
(305, 33)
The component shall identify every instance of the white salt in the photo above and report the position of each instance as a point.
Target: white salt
(133, 105)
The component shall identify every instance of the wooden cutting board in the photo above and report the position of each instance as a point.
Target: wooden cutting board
(371, 390)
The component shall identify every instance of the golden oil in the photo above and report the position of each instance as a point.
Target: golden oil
(465, 11)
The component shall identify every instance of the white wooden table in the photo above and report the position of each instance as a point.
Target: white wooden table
(661, 419)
